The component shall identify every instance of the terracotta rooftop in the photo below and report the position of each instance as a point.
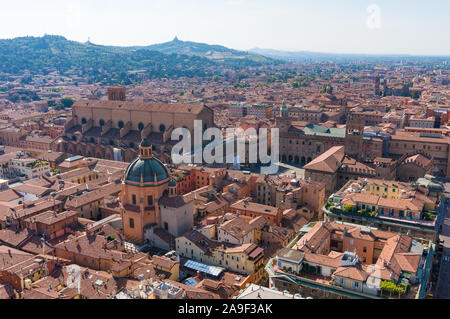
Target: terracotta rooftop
(329, 162)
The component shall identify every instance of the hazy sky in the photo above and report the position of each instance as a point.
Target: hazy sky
(343, 26)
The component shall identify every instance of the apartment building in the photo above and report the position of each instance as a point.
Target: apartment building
(338, 260)
(248, 210)
(389, 205)
(246, 258)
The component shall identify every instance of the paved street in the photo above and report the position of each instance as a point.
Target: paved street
(286, 169)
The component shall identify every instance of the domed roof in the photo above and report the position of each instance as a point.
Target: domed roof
(151, 169)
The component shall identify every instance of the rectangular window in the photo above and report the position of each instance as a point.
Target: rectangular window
(131, 223)
(166, 226)
(133, 199)
(150, 200)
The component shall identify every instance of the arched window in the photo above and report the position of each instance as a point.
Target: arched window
(162, 128)
(102, 122)
(140, 126)
(83, 121)
(120, 124)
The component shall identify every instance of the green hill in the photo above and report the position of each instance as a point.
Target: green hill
(119, 65)
(214, 52)
(41, 55)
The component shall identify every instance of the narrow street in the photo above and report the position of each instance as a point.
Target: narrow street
(443, 289)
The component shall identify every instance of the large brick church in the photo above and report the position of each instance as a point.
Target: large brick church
(113, 128)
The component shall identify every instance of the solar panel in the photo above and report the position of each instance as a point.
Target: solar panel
(207, 269)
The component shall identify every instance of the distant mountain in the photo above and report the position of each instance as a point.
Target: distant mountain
(294, 56)
(216, 53)
(308, 56)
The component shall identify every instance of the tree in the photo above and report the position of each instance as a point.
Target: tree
(392, 288)
(67, 102)
(348, 208)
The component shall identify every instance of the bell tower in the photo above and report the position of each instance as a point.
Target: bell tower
(377, 85)
(354, 131)
(116, 93)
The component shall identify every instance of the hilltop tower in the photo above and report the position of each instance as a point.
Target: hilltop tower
(354, 132)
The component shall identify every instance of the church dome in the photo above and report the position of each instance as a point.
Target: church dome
(146, 168)
(150, 169)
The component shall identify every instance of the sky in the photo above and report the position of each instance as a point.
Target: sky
(414, 27)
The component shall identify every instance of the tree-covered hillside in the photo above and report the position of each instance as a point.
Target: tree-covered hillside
(120, 65)
(41, 55)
